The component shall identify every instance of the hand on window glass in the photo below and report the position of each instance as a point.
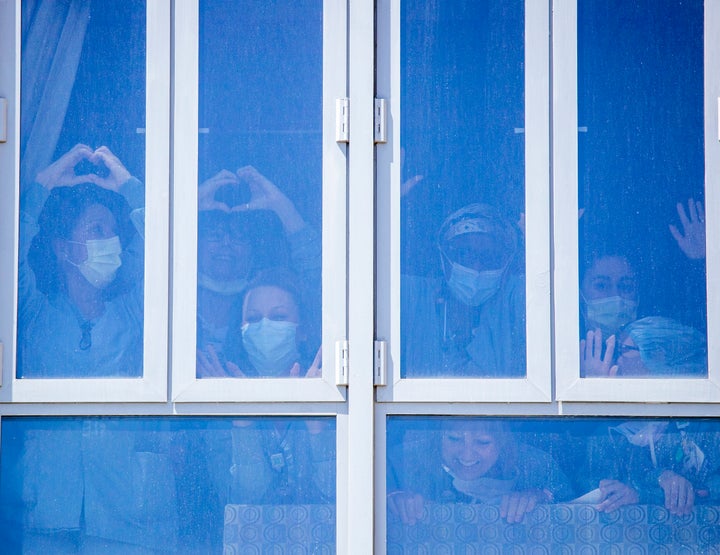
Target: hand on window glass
(592, 362)
(407, 506)
(679, 493)
(514, 506)
(615, 494)
(209, 365)
(692, 238)
(265, 195)
(315, 370)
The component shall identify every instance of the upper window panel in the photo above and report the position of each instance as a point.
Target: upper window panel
(80, 290)
(260, 191)
(462, 139)
(641, 174)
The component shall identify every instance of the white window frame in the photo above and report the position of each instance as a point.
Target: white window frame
(152, 386)
(186, 387)
(536, 386)
(570, 386)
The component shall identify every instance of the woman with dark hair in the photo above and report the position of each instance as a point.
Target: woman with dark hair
(272, 336)
(81, 290)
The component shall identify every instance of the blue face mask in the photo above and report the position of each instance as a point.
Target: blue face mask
(471, 287)
(610, 313)
(271, 346)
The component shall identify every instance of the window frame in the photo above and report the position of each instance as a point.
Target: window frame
(536, 386)
(186, 386)
(570, 386)
(152, 385)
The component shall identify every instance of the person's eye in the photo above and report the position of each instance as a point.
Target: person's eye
(253, 317)
(453, 438)
(279, 316)
(628, 288)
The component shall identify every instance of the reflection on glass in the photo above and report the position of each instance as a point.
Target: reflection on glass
(80, 297)
(641, 185)
(462, 120)
(165, 485)
(260, 164)
(454, 481)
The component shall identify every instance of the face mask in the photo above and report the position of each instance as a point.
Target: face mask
(471, 287)
(610, 314)
(103, 260)
(223, 287)
(271, 346)
(486, 490)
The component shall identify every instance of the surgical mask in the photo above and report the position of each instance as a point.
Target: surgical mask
(223, 287)
(482, 488)
(610, 313)
(471, 287)
(102, 262)
(271, 345)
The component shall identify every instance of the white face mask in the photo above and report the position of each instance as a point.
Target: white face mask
(271, 345)
(222, 287)
(471, 287)
(610, 314)
(102, 262)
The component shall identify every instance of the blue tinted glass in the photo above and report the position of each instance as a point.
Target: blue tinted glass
(260, 170)
(641, 188)
(80, 291)
(462, 141)
(615, 485)
(167, 485)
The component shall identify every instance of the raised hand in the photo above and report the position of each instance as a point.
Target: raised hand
(61, 173)
(265, 195)
(692, 238)
(207, 190)
(592, 363)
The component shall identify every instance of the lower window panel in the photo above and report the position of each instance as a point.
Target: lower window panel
(166, 484)
(580, 484)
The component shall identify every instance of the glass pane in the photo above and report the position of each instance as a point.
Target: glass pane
(641, 188)
(167, 485)
(462, 253)
(260, 196)
(80, 292)
(580, 485)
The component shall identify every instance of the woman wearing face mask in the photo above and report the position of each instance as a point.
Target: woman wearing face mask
(472, 322)
(80, 291)
(608, 302)
(271, 341)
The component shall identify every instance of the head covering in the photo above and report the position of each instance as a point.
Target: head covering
(668, 347)
(478, 218)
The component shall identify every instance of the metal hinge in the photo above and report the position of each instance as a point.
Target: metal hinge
(380, 363)
(3, 120)
(380, 123)
(342, 362)
(342, 120)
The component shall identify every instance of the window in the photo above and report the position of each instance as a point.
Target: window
(275, 313)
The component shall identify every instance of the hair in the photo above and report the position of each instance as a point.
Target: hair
(57, 220)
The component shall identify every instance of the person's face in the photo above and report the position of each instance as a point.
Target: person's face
(273, 303)
(469, 453)
(629, 361)
(224, 253)
(478, 251)
(96, 222)
(610, 276)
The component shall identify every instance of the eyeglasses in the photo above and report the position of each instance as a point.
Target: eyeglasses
(624, 350)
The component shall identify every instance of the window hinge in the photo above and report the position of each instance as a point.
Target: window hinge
(380, 121)
(342, 362)
(3, 120)
(342, 120)
(380, 373)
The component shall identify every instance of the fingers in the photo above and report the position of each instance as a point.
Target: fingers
(681, 214)
(295, 370)
(676, 234)
(514, 506)
(408, 185)
(679, 493)
(409, 507)
(609, 351)
(700, 211)
(315, 370)
(234, 370)
(615, 495)
(692, 211)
